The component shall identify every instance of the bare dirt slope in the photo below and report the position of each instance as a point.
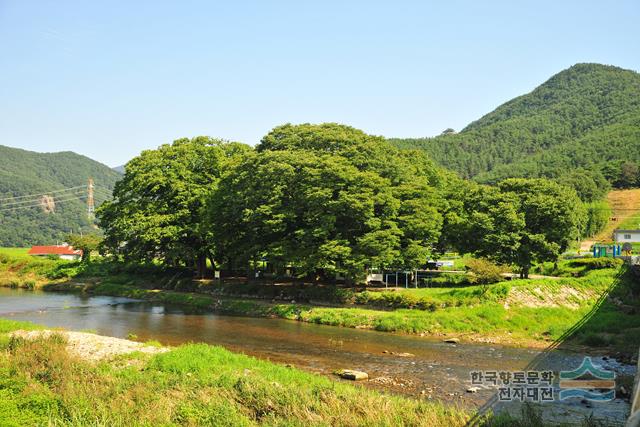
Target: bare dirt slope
(625, 204)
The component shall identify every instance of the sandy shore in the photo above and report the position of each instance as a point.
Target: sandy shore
(93, 347)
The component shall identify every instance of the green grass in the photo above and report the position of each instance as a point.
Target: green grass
(576, 267)
(15, 251)
(490, 319)
(191, 385)
(521, 312)
(632, 222)
(531, 416)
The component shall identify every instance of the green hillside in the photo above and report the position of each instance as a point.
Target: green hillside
(583, 124)
(25, 176)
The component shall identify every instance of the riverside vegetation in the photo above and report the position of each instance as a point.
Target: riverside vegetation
(599, 293)
(322, 201)
(41, 383)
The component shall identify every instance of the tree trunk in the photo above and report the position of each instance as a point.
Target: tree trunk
(201, 265)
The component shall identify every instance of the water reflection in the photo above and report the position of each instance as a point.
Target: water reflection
(436, 369)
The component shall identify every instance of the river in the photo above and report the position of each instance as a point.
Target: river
(434, 369)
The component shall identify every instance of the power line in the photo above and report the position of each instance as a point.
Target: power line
(28, 201)
(103, 191)
(34, 206)
(36, 198)
(43, 194)
(5, 209)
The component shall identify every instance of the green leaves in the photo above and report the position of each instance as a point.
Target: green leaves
(325, 200)
(157, 207)
(520, 222)
(87, 243)
(327, 197)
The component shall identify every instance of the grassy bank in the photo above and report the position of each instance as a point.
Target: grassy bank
(519, 312)
(41, 383)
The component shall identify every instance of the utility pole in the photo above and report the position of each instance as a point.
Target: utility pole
(90, 202)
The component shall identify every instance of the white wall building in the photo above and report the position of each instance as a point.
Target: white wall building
(623, 236)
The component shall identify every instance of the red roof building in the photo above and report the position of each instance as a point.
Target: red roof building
(62, 251)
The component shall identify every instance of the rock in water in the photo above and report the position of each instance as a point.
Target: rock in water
(452, 340)
(350, 374)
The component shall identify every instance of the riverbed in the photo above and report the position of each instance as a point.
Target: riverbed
(411, 365)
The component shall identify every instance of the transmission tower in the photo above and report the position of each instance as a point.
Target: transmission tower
(90, 202)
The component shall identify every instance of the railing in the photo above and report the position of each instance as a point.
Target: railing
(634, 417)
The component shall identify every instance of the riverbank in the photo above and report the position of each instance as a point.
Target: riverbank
(45, 382)
(592, 306)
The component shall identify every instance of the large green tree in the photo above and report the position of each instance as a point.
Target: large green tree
(520, 222)
(315, 212)
(328, 199)
(156, 211)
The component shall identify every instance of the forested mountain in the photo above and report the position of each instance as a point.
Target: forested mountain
(43, 196)
(583, 124)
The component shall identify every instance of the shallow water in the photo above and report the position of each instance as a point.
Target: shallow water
(436, 370)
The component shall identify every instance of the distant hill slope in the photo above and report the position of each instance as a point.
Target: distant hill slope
(586, 117)
(625, 205)
(25, 176)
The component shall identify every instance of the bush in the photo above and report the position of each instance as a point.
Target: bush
(596, 263)
(595, 340)
(394, 300)
(484, 272)
(446, 281)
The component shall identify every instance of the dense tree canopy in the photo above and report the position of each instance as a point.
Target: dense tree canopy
(87, 243)
(156, 211)
(328, 199)
(520, 222)
(324, 201)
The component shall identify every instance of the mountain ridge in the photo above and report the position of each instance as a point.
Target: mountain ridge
(26, 176)
(548, 123)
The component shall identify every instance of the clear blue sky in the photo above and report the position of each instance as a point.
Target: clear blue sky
(109, 79)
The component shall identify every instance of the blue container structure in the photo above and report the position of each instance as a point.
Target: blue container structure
(605, 251)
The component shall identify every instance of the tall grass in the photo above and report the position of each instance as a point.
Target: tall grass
(192, 385)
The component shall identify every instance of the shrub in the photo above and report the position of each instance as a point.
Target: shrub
(596, 263)
(484, 272)
(595, 340)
